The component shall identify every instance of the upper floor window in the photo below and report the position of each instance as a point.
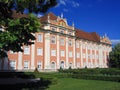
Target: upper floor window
(62, 41)
(61, 31)
(26, 50)
(53, 28)
(39, 51)
(77, 44)
(39, 37)
(53, 41)
(53, 52)
(70, 42)
(78, 55)
(70, 32)
(70, 54)
(62, 53)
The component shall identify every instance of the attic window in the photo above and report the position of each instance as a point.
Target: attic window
(53, 28)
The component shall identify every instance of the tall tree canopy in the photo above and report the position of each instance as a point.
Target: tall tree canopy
(115, 56)
(14, 33)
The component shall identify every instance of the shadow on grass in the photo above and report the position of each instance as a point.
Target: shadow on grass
(28, 84)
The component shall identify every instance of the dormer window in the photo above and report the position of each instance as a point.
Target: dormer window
(61, 31)
(70, 33)
(53, 28)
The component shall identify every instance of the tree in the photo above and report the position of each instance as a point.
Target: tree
(14, 33)
(115, 56)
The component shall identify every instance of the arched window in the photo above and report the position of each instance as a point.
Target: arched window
(62, 64)
(53, 65)
(70, 65)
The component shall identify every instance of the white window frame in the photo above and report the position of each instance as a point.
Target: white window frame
(78, 55)
(53, 52)
(53, 39)
(77, 44)
(62, 53)
(62, 41)
(12, 64)
(70, 42)
(27, 50)
(39, 65)
(70, 54)
(40, 38)
(26, 64)
(53, 28)
(53, 65)
(39, 51)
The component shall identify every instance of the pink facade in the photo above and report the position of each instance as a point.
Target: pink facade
(59, 45)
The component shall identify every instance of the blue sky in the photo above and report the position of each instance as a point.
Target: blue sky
(101, 16)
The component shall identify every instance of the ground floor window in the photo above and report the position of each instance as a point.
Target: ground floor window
(12, 64)
(70, 65)
(62, 64)
(39, 65)
(53, 65)
(26, 64)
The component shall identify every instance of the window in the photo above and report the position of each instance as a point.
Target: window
(53, 65)
(26, 50)
(61, 31)
(70, 54)
(88, 55)
(39, 65)
(84, 55)
(70, 42)
(53, 28)
(39, 37)
(13, 64)
(53, 39)
(70, 32)
(26, 65)
(78, 55)
(77, 44)
(62, 64)
(62, 41)
(53, 52)
(70, 65)
(62, 53)
(39, 51)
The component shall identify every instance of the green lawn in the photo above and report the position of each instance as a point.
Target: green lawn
(79, 84)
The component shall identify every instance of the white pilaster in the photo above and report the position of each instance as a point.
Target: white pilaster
(58, 52)
(19, 60)
(74, 55)
(86, 55)
(32, 56)
(67, 65)
(81, 55)
(47, 51)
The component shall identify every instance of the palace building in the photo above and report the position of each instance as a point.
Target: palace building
(59, 45)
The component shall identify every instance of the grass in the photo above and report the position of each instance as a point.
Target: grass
(61, 81)
(79, 84)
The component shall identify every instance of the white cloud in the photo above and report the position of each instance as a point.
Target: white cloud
(62, 2)
(75, 4)
(114, 42)
(66, 2)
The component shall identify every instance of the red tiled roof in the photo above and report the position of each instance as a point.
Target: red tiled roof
(88, 36)
(45, 17)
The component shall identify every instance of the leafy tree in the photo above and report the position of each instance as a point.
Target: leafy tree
(14, 33)
(115, 56)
